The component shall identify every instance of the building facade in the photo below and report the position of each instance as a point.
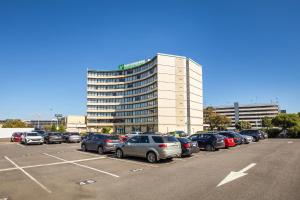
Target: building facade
(160, 94)
(251, 112)
(75, 123)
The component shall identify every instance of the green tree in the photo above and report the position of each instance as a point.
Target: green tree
(106, 130)
(53, 128)
(286, 121)
(47, 127)
(215, 120)
(267, 122)
(14, 123)
(222, 122)
(241, 125)
(61, 128)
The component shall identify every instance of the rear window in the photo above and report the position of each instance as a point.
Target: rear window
(74, 134)
(164, 139)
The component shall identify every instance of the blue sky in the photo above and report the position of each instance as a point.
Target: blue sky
(249, 49)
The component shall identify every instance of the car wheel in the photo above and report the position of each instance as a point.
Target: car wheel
(119, 153)
(209, 147)
(83, 147)
(100, 150)
(151, 157)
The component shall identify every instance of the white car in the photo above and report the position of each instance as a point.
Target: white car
(32, 138)
(133, 134)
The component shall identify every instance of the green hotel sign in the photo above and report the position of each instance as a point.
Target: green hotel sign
(132, 65)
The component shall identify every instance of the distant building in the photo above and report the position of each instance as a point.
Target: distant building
(39, 124)
(75, 123)
(252, 113)
(160, 94)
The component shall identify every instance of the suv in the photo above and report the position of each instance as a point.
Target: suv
(53, 137)
(100, 142)
(209, 141)
(256, 134)
(32, 138)
(153, 147)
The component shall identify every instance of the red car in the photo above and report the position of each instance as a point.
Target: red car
(16, 137)
(229, 142)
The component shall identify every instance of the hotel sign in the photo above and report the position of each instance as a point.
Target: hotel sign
(132, 65)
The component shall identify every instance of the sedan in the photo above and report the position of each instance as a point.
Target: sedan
(32, 138)
(187, 147)
(53, 137)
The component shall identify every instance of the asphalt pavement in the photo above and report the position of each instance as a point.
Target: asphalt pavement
(269, 169)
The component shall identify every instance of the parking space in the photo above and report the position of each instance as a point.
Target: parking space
(63, 171)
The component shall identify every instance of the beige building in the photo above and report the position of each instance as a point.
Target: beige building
(75, 123)
(159, 94)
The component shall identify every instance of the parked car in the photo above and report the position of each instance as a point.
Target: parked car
(71, 137)
(256, 134)
(100, 142)
(16, 137)
(133, 133)
(153, 147)
(229, 141)
(31, 138)
(246, 138)
(230, 134)
(53, 137)
(264, 134)
(187, 146)
(208, 141)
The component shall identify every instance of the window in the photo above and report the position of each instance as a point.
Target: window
(144, 139)
(194, 137)
(158, 139)
(135, 139)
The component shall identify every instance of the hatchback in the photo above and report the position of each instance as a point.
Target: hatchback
(16, 137)
(53, 137)
(153, 147)
(100, 142)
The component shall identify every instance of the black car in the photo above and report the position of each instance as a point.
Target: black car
(187, 146)
(256, 134)
(100, 142)
(237, 139)
(208, 141)
(53, 137)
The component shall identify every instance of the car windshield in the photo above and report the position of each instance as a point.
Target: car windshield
(32, 134)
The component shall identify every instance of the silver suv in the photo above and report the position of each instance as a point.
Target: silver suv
(150, 146)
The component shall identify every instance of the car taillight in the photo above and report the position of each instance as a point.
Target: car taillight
(163, 145)
(186, 145)
(107, 141)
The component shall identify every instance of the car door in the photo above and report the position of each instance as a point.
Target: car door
(143, 146)
(202, 140)
(130, 147)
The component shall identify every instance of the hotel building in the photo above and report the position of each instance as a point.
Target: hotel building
(252, 113)
(160, 94)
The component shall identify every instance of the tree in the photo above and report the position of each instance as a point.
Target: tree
(53, 128)
(222, 122)
(61, 128)
(267, 122)
(47, 127)
(241, 125)
(14, 123)
(286, 121)
(106, 130)
(215, 120)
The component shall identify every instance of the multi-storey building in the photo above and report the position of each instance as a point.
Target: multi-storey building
(159, 94)
(251, 112)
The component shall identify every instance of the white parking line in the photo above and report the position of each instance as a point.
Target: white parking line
(51, 164)
(84, 166)
(27, 174)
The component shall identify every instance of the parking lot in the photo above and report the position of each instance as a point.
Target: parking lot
(271, 170)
